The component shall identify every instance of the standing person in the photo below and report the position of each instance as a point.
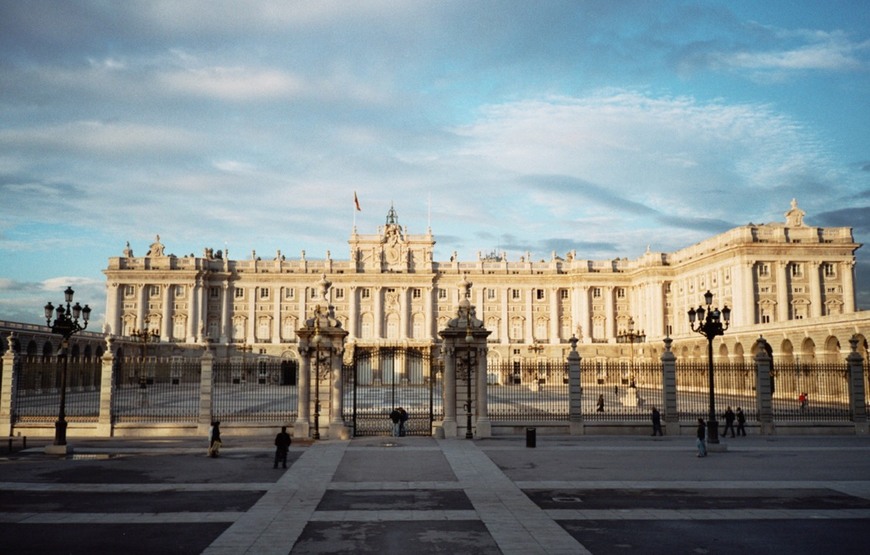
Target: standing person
(403, 417)
(396, 417)
(600, 403)
(657, 422)
(214, 439)
(729, 422)
(282, 445)
(741, 421)
(702, 436)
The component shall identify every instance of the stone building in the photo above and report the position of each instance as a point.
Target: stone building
(791, 282)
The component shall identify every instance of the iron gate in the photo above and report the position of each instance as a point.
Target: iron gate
(381, 379)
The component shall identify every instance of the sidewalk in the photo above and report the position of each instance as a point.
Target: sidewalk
(423, 495)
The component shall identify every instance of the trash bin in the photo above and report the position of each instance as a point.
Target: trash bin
(531, 438)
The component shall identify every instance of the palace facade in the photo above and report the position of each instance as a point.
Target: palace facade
(789, 281)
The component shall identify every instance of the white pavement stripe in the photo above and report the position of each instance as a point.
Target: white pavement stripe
(352, 486)
(708, 514)
(275, 522)
(392, 515)
(516, 524)
(128, 488)
(118, 518)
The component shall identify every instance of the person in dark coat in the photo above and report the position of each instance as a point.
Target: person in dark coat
(741, 422)
(729, 422)
(396, 418)
(214, 439)
(657, 422)
(282, 445)
(702, 436)
(600, 404)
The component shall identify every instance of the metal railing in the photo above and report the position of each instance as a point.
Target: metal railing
(254, 390)
(535, 391)
(38, 391)
(814, 392)
(734, 386)
(618, 390)
(156, 389)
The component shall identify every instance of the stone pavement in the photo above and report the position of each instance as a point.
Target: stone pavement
(589, 494)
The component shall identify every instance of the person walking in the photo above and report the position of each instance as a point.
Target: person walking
(702, 436)
(403, 417)
(656, 422)
(282, 445)
(600, 403)
(741, 421)
(729, 422)
(214, 439)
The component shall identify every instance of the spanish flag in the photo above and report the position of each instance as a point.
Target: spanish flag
(356, 202)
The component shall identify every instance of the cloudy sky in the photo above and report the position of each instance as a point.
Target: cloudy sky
(516, 126)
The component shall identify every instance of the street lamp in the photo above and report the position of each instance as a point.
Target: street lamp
(710, 325)
(66, 323)
(144, 337)
(629, 336)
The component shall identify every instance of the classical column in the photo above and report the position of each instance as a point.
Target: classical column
(848, 272)
(428, 313)
(609, 313)
(529, 333)
(113, 306)
(251, 334)
(276, 314)
(763, 394)
(353, 312)
(403, 312)
(815, 290)
(669, 390)
(202, 299)
(142, 306)
(575, 392)
(166, 322)
(585, 314)
(504, 332)
(782, 292)
(225, 312)
(378, 312)
(107, 389)
(655, 325)
(554, 316)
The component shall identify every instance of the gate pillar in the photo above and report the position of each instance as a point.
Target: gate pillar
(464, 351)
(321, 344)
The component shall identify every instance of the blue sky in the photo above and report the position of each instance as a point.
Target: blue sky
(604, 127)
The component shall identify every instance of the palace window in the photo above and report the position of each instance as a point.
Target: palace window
(416, 293)
(154, 291)
(490, 293)
(442, 294)
(764, 269)
(339, 293)
(264, 293)
(830, 270)
(596, 292)
(539, 294)
(620, 292)
(516, 294)
(239, 293)
(214, 292)
(563, 294)
(797, 270)
(129, 290)
(180, 291)
(289, 293)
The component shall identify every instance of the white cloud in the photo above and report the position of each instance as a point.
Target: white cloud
(100, 137)
(234, 83)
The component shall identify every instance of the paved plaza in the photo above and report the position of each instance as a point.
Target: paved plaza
(414, 495)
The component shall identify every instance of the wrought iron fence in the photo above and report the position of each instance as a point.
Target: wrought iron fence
(734, 386)
(156, 389)
(38, 391)
(618, 390)
(810, 392)
(535, 391)
(379, 380)
(254, 390)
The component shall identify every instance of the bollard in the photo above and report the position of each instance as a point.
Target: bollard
(531, 437)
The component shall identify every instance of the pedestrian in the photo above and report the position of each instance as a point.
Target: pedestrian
(729, 422)
(702, 436)
(741, 421)
(396, 417)
(282, 445)
(657, 422)
(214, 439)
(616, 391)
(600, 403)
(403, 417)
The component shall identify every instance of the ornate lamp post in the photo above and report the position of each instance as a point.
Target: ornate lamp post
(66, 323)
(710, 324)
(630, 336)
(144, 337)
